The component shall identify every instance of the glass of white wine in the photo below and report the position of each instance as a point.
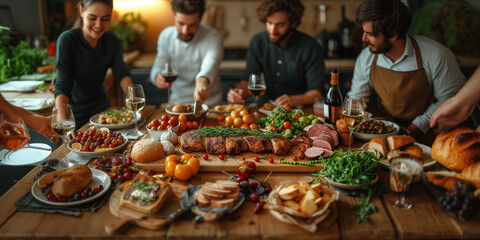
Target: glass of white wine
(135, 101)
(352, 114)
(402, 172)
(256, 87)
(63, 123)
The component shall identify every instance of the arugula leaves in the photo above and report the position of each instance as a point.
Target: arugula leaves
(364, 207)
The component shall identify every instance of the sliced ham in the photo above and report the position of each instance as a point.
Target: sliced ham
(327, 138)
(322, 143)
(315, 130)
(334, 135)
(326, 153)
(314, 152)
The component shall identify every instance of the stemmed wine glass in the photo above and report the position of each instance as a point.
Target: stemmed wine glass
(63, 123)
(169, 72)
(13, 135)
(135, 100)
(402, 172)
(352, 114)
(256, 87)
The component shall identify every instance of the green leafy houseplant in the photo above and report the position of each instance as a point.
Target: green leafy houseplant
(454, 23)
(130, 29)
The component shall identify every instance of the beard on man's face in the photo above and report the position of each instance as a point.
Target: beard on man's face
(281, 37)
(383, 47)
(185, 37)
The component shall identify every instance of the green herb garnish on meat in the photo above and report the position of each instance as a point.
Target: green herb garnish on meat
(234, 132)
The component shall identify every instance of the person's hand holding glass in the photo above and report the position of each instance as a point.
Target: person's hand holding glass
(135, 101)
(63, 123)
(256, 87)
(13, 135)
(169, 72)
(402, 172)
(352, 114)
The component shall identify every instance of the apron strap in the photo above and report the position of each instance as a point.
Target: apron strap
(418, 55)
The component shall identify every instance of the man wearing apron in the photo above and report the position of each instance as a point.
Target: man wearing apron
(412, 76)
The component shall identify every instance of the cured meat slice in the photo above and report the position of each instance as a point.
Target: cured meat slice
(280, 146)
(192, 142)
(301, 140)
(322, 143)
(326, 153)
(314, 152)
(316, 129)
(333, 134)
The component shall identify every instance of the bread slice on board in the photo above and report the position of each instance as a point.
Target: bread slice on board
(379, 146)
(399, 141)
(141, 185)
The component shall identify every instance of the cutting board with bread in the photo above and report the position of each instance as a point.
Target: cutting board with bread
(146, 202)
(150, 155)
(387, 148)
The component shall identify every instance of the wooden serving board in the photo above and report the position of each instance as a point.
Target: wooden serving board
(231, 163)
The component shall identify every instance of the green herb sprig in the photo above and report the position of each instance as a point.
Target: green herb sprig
(234, 132)
(364, 207)
(357, 167)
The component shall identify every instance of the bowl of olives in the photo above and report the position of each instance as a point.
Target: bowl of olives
(372, 128)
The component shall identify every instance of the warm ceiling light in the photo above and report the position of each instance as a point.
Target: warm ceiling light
(122, 5)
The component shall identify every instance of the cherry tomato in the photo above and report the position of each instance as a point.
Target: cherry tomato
(182, 118)
(244, 113)
(295, 116)
(271, 160)
(234, 114)
(257, 159)
(205, 156)
(156, 123)
(287, 107)
(165, 117)
(295, 158)
(182, 127)
(246, 126)
(194, 124)
(221, 157)
(253, 126)
(194, 164)
(228, 120)
(173, 121)
(247, 119)
(238, 122)
(220, 117)
(189, 125)
(286, 125)
(183, 172)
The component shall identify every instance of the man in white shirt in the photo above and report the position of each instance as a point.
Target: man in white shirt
(412, 76)
(195, 50)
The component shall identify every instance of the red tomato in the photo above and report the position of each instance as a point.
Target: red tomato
(286, 125)
(221, 157)
(173, 121)
(295, 116)
(287, 107)
(165, 117)
(156, 123)
(205, 156)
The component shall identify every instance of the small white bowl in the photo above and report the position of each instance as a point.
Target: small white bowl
(156, 134)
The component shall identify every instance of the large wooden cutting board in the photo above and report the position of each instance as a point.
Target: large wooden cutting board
(231, 163)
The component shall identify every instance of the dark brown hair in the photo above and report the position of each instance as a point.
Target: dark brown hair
(85, 4)
(189, 6)
(294, 9)
(388, 17)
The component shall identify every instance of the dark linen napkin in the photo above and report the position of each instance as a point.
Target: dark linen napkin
(28, 203)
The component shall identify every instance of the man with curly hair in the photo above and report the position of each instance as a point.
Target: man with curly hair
(292, 61)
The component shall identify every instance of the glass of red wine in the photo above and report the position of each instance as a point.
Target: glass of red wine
(170, 73)
(256, 87)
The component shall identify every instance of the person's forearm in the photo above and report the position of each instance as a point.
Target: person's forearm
(469, 94)
(126, 81)
(306, 99)
(61, 99)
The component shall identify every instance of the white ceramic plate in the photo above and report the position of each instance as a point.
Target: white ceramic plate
(367, 137)
(20, 86)
(428, 161)
(33, 104)
(98, 177)
(98, 154)
(25, 155)
(94, 122)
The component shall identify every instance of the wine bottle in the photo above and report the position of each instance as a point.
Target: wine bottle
(333, 101)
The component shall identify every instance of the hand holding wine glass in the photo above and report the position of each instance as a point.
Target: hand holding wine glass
(403, 171)
(63, 123)
(352, 114)
(257, 87)
(13, 135)
(135, 101)
(169, 72)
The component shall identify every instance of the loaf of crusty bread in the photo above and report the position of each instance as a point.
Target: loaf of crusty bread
(399, 141)
(472, 172)
(129, 199)
(147, 150)
(380, 145)
(72, 181)
(414, 150)
(457, 149)
(398, 153)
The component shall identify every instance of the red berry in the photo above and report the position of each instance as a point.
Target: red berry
(152, 172)
(257, 159)
(84, 195)
(253, 184)
(268, 189)
(129, 161)
(258, 207)
(123, 165)
(97, 167)
(205, 156)
(271, 160)
(240, 178)
(254, 197)
(128, 176)
(295, 158)
(242, 158)
(221, 157)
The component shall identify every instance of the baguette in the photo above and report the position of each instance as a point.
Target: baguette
(398, 153)
(72, 181)
(380, 145)
(215, 203)
(414, 150)
(218, 194)
(399, 141)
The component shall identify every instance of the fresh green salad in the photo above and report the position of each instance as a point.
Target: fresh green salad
(288, 122)
(357, 167)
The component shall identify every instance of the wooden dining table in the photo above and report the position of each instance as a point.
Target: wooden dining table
(425, 220)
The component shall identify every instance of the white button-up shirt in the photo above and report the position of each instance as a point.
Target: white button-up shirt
(441, 68)
(200, 57)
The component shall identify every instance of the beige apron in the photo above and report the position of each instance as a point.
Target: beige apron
(402, 95)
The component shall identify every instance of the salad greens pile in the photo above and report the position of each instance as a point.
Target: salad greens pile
(289, 122)
(357, 167)
(18, 60)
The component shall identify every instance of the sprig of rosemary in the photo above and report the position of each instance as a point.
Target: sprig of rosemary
(234, 132)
